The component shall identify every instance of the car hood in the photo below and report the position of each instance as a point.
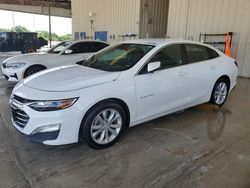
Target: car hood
(34, 57)
(69, 78)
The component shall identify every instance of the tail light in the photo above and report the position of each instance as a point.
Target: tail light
(236, 63)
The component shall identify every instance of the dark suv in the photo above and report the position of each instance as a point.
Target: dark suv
(26, 42)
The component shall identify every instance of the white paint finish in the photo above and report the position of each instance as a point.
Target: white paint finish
(147, 96)
(161, 91)
(213, 16)
(199, 73)
(58, 79)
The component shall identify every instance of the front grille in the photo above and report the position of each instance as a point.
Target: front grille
(20, 118)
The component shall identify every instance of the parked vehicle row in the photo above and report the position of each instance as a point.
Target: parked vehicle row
(66, 53)
(121, 86)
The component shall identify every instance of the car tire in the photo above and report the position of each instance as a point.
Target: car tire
(29, 49)
(101, 132)
(33, 69)
(220, 92)
(23, 50)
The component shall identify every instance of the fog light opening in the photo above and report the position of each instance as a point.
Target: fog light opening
(47, 129)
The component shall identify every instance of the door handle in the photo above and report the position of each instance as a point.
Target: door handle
(182, 73)
(212, 67)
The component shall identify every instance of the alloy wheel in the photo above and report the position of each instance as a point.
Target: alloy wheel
(220, 93)
(106, 126)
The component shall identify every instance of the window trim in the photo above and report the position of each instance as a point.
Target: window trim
(87, 43)
(168, 45)
(186, 54)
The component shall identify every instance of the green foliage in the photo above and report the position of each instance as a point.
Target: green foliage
(19, 29)
(54, 36)
(4, 30)
(44, 34)
(65, 37)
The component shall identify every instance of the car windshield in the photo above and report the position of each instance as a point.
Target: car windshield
(59, 47)
(119, 57)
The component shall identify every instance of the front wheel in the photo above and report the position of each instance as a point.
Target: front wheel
(104, 125)
(220, 92)
(33, 69)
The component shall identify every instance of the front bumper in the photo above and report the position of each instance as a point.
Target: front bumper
(69, 120)
(40, 137)
(13, 75)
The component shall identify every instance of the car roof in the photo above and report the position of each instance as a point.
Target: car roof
(77, 41)
(160, 41)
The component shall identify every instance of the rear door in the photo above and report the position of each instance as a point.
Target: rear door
(203, 72)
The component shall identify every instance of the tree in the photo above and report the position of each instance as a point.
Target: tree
(20, 29)
(55, 37)
(65, 37)
(43, 34)
(4, 30)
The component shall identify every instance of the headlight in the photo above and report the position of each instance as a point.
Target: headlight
(14, 65)
(54, 105)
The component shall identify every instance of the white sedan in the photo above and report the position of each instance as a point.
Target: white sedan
(121, 86)
(19, 67)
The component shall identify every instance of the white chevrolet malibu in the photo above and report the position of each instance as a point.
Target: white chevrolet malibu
(121, 86)
(19, 67)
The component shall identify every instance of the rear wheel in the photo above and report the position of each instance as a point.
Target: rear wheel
(33, 69)
(104, 125)
(220, 92)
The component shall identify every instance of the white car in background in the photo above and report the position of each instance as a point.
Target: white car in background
(19, 67)
(121, 86)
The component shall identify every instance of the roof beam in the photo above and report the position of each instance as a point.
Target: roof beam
(65, 4)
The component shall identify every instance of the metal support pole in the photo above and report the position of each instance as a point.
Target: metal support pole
(50, 37)
(13, 22)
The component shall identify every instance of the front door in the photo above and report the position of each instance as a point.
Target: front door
(165, 90)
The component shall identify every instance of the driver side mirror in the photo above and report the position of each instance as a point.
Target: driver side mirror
(153, 66)
(67, 52)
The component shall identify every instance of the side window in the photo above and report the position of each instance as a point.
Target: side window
(81, 47)
(197, 53)
(212, 54)
(98, 46)
(170, 56)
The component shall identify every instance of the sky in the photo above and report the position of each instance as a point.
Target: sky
(35, 22)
